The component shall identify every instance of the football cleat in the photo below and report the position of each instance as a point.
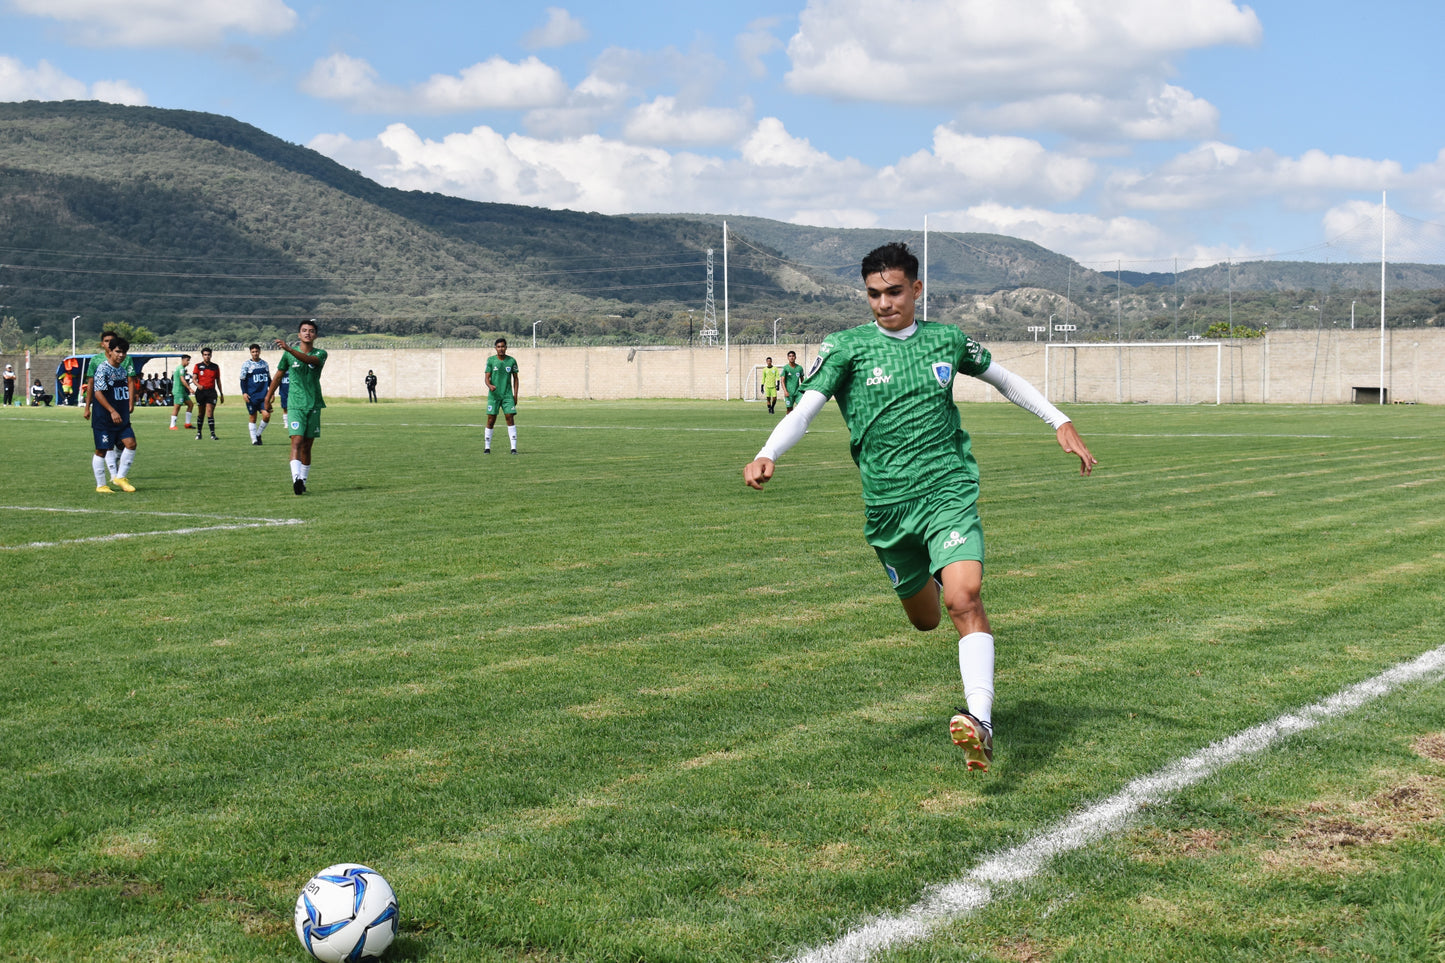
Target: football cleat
(486, 451)
(174, 428)
(105, 489)
(974, 737)
(125, 484)
(298, 486)
(514, 451)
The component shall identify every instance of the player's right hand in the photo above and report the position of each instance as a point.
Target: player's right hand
(757, 471)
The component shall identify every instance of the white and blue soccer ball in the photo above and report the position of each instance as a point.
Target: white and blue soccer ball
(346, 912)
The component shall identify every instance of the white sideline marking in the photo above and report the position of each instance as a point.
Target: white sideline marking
(233, 522)
(948, 902)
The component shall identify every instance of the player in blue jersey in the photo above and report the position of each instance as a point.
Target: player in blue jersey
(255, 382)
(111, 402)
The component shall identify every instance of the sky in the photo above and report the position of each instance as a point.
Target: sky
(1138, 132)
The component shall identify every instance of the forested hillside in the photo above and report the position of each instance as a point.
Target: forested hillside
(199, 227)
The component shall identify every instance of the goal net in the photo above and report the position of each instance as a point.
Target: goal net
(1153, 372)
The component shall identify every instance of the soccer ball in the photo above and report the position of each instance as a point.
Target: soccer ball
(346, 912)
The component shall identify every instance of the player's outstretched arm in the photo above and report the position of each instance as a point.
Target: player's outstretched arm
(1070, 441)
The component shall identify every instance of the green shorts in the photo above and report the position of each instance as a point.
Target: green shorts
(505, 406)
(915, 539)
(307, 424)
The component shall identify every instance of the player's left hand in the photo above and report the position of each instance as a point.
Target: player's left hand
(757, 471)
(1070, 441)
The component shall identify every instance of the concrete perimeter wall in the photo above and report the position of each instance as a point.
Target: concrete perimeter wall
(1285, 367)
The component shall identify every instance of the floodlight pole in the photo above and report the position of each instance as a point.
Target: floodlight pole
(775, 331)
(534, 332)
(72, 334)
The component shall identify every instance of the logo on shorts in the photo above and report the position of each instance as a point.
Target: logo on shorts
(879, 378)
(955, 540)
(892, 574)
(943, 371)
(295, 425)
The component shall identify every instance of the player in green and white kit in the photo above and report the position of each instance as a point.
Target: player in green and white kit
(893, 381)
(303, 412)
(792, 381)
(503, 382)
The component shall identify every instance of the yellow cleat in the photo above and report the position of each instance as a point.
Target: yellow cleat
(975, 738)
(125, 485)
(105, 490)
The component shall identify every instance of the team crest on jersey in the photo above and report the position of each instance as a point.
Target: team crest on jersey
(813, 368)
(943, 371)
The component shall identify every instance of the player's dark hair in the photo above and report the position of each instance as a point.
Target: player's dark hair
(499, 341)
(106, 334)
(891, 257)
(312, 322)
(185, 357)
(250, 346)
(205, 351)
(118, 343)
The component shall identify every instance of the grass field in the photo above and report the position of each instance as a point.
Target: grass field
(600, 702)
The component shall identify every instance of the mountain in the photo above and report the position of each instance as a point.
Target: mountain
(200, 227)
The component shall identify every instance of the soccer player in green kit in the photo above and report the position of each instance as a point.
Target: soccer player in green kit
(893, 381)
(303, 413)
(502, 383)
(769, 377)
(792, 381)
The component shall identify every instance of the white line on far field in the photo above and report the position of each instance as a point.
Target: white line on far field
(229, 523)
(945, 903)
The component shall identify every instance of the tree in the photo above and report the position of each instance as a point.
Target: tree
(134, 333)
(11, 337)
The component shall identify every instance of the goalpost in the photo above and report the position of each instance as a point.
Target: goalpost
(1155, 372)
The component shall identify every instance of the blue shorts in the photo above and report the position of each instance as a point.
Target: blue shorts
(108, 434)
(255, 406)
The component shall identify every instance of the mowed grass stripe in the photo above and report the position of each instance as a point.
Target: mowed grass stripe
(599, 703)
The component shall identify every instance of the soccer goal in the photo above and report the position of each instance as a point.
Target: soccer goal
(1154, 372)
(753, 387)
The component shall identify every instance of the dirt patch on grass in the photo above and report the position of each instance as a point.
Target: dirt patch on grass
(1431, 746)
(1022, 950)
(48, 881)
(1331, 833)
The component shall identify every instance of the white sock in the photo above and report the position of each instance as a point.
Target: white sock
(252, 429)
(975, 664)
(112, 462)
(487, 438)
(173, 421)
(127, 458)
(260, 427)
(512, 435)
(188, 419)
(305, 471)
(97, 465)
(296, 470)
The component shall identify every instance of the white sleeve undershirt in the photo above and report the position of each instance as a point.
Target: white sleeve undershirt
(794, 425)
(1023, 394)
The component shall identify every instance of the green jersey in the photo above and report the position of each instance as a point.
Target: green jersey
(792, 382)
(897, 400)
(96, 360)
(179, 387)
(499, 372)
(305, 381)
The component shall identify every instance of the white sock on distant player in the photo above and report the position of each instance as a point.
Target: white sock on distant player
(127, 458)
(487, 438)
(97, 465)
(512, 435)
(260, 427)
(305, 472)
(173, 421)
(296, 470)
(975, 664)
(112, 461)
(252, 429)
(188, 419)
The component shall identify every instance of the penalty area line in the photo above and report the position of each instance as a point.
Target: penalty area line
(229, 523)
(948, 902)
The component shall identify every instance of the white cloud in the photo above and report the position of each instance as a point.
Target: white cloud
(1214, 174)
(770, 145)
(1163, 112)
(492, 84)
(160, 23)
(1086, 237)
(662, 122)
(755, 42)
(965, 51)
(45, 82)
(560, 30)
(966, 165)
